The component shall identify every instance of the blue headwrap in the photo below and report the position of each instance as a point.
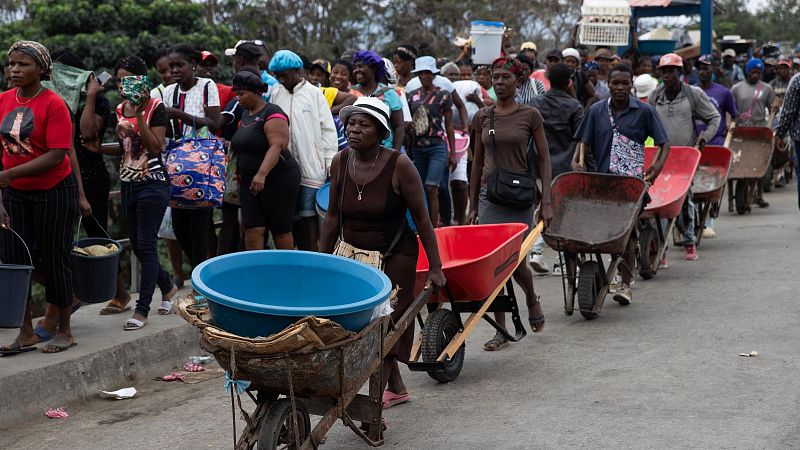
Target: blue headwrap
(754, 63)
(591, 65)
(373, 61)
(284, 60)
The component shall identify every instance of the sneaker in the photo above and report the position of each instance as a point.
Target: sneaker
(537, 262)
(709, 233)
(663, 264)
(690, 253)
(623, 295)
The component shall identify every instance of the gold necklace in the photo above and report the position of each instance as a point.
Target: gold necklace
(361, 189)
(16, 94)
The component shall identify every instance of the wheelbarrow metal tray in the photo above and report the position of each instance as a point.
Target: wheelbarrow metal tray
(593, 212)
(475, 259)
(259, 293)
(329, 372)
(712, 172)
(669, 190)
(752, 150)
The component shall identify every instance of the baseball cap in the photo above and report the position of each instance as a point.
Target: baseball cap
(704, 60)
(729, 52)
(255, 43)
(784, 62)
(554, 53)
(528, 46)
(208, 57)
(323, 64)
(245, 49)
(770, 61)
(670, 60)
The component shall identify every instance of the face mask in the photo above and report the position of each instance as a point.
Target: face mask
(133, 87)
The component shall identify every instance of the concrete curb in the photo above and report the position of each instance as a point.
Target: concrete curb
(111, 368)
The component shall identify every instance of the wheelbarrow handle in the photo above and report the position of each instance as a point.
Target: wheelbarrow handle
(407, 319)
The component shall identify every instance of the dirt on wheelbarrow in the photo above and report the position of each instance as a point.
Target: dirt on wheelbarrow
(708, 178)
(591, 220)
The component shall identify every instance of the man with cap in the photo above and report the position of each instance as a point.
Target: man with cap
(530, 50)
(257, 52)
(207, 68)
(729, 66)
(678, 105)
(553, 58)
(783, 73)
(312, 139)
(723, 101)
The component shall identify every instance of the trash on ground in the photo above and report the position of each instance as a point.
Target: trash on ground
(201, 359)
(57, 413)
(120, 394)
(749, 354)
(193, 367)
(174, 376)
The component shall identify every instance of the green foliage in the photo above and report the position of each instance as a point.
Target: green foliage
(104, 31)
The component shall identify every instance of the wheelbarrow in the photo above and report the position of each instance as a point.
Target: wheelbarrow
(593, 214)
(709, 184)
(752, 153)
(288, 386)
(478, 261)
(667, 194)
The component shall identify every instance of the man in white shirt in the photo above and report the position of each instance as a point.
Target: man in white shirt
(313, 140)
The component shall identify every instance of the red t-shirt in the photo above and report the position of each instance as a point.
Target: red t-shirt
(29, 130)
(541, 75)
(226, 94)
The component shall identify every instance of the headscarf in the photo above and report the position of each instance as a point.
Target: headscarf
(754, 63)
(373, 61)
(510, 64)
(391, 72)
(38, 52)
(590, 65)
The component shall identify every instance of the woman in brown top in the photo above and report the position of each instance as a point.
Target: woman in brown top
(371, 189)
(515, 126)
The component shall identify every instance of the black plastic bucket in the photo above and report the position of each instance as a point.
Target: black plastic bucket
(94, 278)
(15, 281)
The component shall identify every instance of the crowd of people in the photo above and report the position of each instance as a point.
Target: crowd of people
(382, 130)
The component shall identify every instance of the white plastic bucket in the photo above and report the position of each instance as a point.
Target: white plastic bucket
(487, 41)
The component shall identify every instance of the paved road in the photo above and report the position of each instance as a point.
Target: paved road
(663, 372)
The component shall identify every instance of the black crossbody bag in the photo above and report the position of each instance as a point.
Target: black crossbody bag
(507, 188)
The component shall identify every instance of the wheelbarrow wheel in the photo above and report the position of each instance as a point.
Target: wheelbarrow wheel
(648, 253)
(441, 326)
(277, 427)
(589, 282)
(742, 186)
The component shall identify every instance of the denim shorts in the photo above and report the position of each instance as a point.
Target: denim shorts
(306, 202)
(431, 162)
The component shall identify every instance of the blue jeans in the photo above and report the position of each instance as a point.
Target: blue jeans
(144, 204)
(688, 236)
(431, 162)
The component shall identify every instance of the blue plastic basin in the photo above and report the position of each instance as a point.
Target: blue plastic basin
(259, 293)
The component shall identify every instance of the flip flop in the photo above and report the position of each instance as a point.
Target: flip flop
(134, 324)
(59, 344)
(391, 399)
(43, 333)
(114, 308)
(16, 348)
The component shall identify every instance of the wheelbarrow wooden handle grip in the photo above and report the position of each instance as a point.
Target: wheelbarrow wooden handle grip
(729, 136)
(581, 153)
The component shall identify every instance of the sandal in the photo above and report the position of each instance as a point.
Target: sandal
(59, 344)
(536, 323)
(15, 348)
(115, 307)
(134, 324)
(166, 301)
(44, 334)
(495, 343)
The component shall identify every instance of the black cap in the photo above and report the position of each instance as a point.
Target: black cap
(555, 53)
(248, 50)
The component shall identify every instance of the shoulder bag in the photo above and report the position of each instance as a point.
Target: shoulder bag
(507, 188)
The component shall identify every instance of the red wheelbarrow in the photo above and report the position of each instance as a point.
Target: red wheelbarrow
(593, 214)
(667, 195)
(709, 184)
(478, 262)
